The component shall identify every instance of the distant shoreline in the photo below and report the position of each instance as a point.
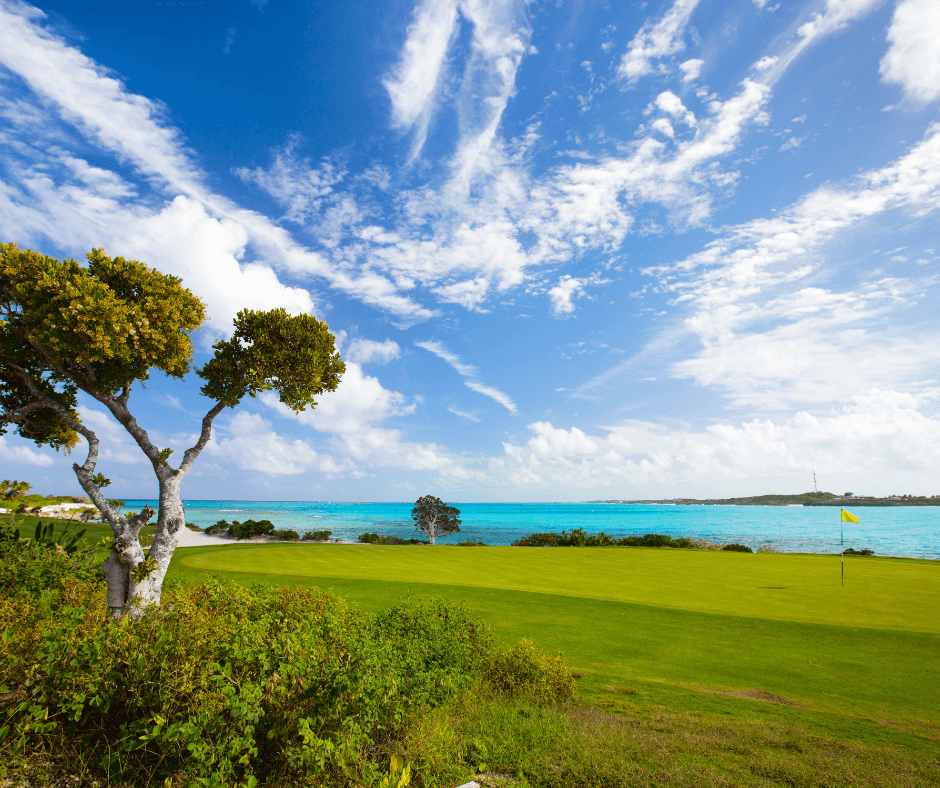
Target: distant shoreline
(803, 499)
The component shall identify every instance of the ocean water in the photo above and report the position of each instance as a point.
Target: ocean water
(899, 531)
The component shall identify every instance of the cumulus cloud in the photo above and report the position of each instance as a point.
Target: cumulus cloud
(16, 452)
(913, 57)
(249, 441)
(876, 435)
(352, 418)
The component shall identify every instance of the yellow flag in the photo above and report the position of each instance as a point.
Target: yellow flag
(848, 517)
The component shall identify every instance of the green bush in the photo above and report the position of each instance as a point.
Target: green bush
(286, 535)
(221, 527)
(227, 685)
(578, 538)
(368, 538)
(317, 536)
(737, 548)
(250, 528)
(865, 551)
(526, 671)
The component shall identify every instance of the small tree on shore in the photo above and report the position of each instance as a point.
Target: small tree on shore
(435, 517)
(100, 329)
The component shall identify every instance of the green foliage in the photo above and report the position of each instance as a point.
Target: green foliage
(36, 566)
(368, 538)
(737, 548)
(432, 515)
(13, 489)
(220, 527)
(250, 528)
(273, 350)
(864, 551)
(317, 536)
(285, 535)
(578, 538)
(475, 542)
(524, 670)
(99, 327)
(228, 685)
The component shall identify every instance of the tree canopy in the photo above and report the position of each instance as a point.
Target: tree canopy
(435, 517)
(101, 328)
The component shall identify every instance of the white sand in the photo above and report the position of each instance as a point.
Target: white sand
(191, 538)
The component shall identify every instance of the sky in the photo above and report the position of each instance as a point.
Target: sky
(569, 250)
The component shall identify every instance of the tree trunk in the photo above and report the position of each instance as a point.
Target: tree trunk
(170, 519)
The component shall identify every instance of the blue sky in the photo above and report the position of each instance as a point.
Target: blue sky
(570, 250)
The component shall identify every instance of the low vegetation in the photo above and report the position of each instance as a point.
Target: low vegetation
(368, 538)
(578, 538)
(233, 685)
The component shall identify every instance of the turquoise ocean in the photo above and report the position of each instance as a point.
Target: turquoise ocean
(898, 531)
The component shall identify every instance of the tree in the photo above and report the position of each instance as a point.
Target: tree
(435, 517)
(101, 329)
(10, 490)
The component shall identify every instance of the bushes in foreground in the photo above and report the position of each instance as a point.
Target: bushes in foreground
(229, 685)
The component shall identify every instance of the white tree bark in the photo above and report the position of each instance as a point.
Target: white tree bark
(134, 578)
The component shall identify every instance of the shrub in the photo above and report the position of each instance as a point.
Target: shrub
(737, 548)
(368, 538)
(525, 670)
(228, 685)
(476, 542)
(317, 536)
(250, 528)
(221, 527)
(194, 527)
(865, 551)
(578, 538)
(285, 535)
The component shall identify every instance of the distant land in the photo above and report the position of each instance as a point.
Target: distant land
(803, 499)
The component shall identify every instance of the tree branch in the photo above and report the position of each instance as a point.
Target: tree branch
(83, 472)
(191, 454)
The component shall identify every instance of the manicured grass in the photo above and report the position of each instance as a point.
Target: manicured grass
(771, 638)
(881, 593)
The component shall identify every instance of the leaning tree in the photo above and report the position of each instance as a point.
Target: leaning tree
(101, 328)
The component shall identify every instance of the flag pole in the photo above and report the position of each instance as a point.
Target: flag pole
(842, 552)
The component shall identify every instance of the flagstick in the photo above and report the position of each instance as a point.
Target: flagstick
(842, 540)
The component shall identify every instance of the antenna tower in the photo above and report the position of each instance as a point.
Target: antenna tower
(814, 482)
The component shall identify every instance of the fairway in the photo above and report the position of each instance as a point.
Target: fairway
(750, 636)
(880, 593)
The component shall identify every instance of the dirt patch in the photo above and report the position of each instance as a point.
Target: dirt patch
(752, 694)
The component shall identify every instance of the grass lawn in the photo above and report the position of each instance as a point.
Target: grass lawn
(763, 637)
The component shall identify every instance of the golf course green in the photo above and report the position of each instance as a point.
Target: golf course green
(752, 636)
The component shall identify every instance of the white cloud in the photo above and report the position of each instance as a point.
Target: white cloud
(880, 435)
(467, 416)
(768, 338)
(415, 77)
(691, 69)
(365, 351)
(913, 57)
(14, 452)
(352, 416)
(468, 371)
(657, 40)
(562, 293)
(249, 441)
(134, 129)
